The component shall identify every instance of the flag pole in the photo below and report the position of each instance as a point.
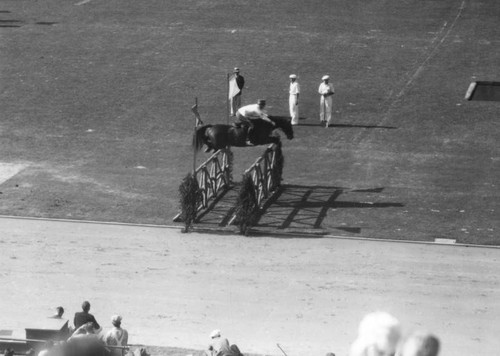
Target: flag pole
(227, 98)
(195, 125)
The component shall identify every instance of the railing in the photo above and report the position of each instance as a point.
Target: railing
(266, 173)
(260, 182)
(213, 176)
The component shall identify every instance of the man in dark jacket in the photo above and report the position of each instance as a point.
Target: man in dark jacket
(85, 317)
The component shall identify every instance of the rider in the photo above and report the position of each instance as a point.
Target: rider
(246, 115)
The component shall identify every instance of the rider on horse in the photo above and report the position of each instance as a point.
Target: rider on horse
(246, 115)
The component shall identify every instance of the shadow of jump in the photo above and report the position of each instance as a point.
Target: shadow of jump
(301, 207)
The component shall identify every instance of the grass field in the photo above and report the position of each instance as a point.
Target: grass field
(95, 97)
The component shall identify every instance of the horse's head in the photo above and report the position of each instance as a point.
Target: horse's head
(285, 124)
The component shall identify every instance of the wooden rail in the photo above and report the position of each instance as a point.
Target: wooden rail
(214, 177)
(264, 176)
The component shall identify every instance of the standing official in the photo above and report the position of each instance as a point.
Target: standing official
(236, 84)
(326, 91)
(294, 99)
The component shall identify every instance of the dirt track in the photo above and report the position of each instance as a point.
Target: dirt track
(306, 294)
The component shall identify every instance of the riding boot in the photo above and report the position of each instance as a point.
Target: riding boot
(249, 135)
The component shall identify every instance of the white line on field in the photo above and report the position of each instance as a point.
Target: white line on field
(82, 2)
(434, 50)
(423, 64)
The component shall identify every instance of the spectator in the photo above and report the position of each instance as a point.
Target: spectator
(59, 313)
(84, 330)
(84, 317)
(420, 344)
(378, 335)
(219, 345)
(117, 336)
(8, 352)
(85, 342)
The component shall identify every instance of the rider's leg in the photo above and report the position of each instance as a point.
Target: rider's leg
(250, 133)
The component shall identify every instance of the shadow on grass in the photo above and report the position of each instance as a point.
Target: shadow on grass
(302, 207)
(315, 122)
(320, 124)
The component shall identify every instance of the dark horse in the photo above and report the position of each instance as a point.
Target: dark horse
(221, 136)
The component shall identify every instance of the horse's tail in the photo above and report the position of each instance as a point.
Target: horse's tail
(199, 137)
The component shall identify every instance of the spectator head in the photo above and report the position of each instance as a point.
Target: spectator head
(215, 334)
(378, 335)
(9, 352)
(59, 311)
(420, 344)
(89, 328)
(86, 306)
(116, 320)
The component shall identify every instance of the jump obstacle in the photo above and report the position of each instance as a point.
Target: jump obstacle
(214, 177)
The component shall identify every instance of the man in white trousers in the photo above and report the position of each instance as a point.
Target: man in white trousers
(326, 91)
(294, 99)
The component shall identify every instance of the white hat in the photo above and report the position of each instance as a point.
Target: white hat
(215, 333)
(293, 76)
(116, 319)
(325, 77)
(236, 70)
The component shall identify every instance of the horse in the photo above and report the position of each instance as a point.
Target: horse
(220, 136)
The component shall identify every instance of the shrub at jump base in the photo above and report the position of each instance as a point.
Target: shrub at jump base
(246, 205)
(190, 199)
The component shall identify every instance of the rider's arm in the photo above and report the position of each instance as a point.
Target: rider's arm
(266, 118)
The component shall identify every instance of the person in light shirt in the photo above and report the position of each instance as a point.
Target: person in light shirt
(294, 99)
(117, 336)
(326, 91)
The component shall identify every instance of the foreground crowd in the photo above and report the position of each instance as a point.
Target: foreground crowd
(85, 338)
(379, 334)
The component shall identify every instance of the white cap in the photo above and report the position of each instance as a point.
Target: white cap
(215, 333)
(325, 77)
(116, 319)
(293, 76)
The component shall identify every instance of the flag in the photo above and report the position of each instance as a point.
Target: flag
(233, 86)
(196, 113)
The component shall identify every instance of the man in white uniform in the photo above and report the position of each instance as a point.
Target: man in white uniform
(294, 99)
(326, 91)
